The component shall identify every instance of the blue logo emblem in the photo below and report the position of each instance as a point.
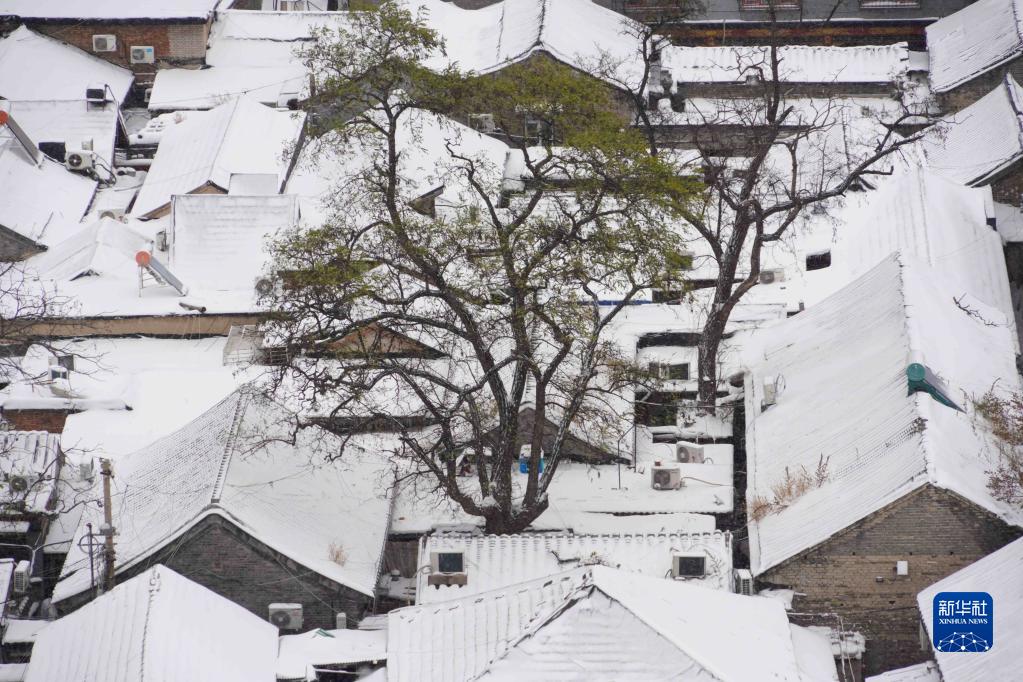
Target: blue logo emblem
(963, 622)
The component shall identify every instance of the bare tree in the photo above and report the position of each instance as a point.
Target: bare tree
(461, 293)
(765, 158)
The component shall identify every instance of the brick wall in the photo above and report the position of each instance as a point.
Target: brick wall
(853, 574)
(228, 561)
(1008, 189)
(38, 420)
(174, 44)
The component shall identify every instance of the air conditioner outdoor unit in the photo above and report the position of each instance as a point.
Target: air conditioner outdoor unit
(79, 159)
(665, 477)
(22, 577)
(447, 568)
(142, 54)
(743, 581)
(114, 213)
(96, 93)
(772, 276)
(104, 43)
(688, 566)
(689, 453)
(286, 616)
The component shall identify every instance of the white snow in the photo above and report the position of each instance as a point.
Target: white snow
(630, 623)
(321, 648)
(41, 202)
(235, 461)
(158, 626)
(848, 356)
(70, 122)
(798, 63)
(974, 40)
(921, 672)
(495, 562)
(110, 9)
(20, 631)
(998, 574)
(37, 67)
(974, 145)
(239, 136)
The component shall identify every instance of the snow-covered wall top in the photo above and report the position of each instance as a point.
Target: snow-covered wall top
(109, 9)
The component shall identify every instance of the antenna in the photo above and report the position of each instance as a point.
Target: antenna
(22, 137)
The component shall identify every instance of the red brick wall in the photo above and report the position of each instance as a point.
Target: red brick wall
(936, 531)
(37, 420)
(181, 44)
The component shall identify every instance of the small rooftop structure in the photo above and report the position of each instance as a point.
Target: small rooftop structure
(977, 144)
(855, 353)
(490, 562)
(976, 39)
(998, 574)
(201, 155)
(599, 623)
(37, 67)
(218, 243)
(158, 626)
(236, 462)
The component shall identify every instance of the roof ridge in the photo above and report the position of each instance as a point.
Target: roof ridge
(154, 589)
(229, 446)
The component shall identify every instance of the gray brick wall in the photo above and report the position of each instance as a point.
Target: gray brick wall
(219, 556)
(853, 574)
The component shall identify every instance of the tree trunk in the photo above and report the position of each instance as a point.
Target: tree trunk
(707, 364)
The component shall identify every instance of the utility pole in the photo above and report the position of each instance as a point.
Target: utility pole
(107, 531)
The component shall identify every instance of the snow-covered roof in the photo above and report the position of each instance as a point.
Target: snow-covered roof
(579, 33)
(848, 355)
(998, 574)
(33, 455)
(974, 40)
(158, 626)
(234, 461)
(974, 145)
(118, 10)
(921, 672)
(34, 66)
(238, 137)
(596, 623)
(423, 139)
(497, 561)
(218, 243)
(43, 201)
(175, 89)
(167, 383)
(915, 211)
(321, 648)
(70, 122)
(799, 63)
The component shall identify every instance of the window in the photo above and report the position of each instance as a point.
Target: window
(671, 372)
(818, 261)
(450, 562)
(689, 566)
